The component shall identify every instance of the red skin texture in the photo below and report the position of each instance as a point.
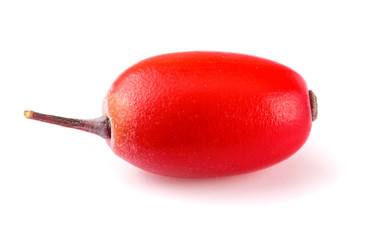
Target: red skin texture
(207, 114)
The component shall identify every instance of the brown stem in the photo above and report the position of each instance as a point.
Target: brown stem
(313, 102)
(100, 126)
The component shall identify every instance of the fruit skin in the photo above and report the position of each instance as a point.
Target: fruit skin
(207, 114)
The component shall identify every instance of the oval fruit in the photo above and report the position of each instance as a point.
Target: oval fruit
(202, 114)
(206, 114)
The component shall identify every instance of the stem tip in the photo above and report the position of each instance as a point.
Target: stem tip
(28, 114)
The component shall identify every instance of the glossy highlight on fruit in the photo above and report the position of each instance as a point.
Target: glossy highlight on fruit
(203, 114)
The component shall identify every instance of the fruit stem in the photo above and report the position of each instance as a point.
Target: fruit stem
(313, 102)
(100, 126)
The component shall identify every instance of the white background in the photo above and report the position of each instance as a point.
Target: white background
(60, 57)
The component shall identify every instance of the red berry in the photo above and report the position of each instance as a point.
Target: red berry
(203, 114)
